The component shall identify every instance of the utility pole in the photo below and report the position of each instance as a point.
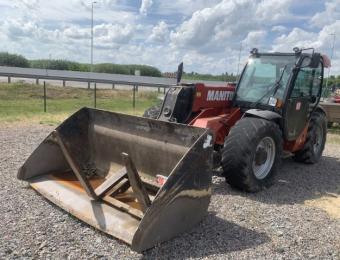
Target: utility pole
(239, 59)
(329, 69)
(92, 4)
(49, 63)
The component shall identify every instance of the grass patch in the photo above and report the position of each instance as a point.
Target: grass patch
(335, 129)
(333, 138)
(24, 102)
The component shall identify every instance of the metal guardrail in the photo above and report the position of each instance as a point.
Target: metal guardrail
(92, 77)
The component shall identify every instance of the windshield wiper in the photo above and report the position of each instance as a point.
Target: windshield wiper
(275, 87)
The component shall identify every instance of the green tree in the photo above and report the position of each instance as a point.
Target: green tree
(13, 60)
(55, 64)
(111, 68)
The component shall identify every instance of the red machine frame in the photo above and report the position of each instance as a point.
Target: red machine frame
(212, 109)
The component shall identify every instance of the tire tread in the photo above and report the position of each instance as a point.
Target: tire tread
(238, 151)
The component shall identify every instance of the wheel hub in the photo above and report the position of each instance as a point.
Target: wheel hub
(260, 156)
(264, 157)
(317, 140)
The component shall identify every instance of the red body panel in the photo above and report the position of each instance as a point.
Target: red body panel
(213, 96)
(296, 145)
(212, 108)
(219, 121)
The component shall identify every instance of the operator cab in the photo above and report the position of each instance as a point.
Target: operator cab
(288, 84)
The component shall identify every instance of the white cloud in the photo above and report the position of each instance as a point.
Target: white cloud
(108, 33)
(77, 33)
(273, 10)
(296, 38)
(160, 33)
(328, 16)
(208, 64)
(18, 29)
(301, 38)
(279, 29)
(63, 12)
(205, 34)
(322, 41)
(31, 4)
(183, 7)
(145, 6)
(254, 38)
(229, 20)
(103, 33)
(216, 24)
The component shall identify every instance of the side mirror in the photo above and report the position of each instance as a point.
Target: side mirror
(179, 73)
(315, 60)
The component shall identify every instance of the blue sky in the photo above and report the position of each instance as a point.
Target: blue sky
(206, 35)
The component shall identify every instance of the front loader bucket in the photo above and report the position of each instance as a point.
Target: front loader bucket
(140, 180)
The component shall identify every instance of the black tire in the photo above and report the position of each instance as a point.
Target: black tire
(314, 146)
(153, 112)
(240, 148)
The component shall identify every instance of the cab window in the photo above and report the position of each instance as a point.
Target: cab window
(308, 82)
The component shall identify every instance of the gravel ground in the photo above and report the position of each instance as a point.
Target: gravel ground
(273, 224)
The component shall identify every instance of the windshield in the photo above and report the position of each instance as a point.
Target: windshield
(258, 82)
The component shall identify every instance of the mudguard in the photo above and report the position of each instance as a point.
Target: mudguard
(265, 114)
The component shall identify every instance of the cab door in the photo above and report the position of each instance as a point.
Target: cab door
(304, 95)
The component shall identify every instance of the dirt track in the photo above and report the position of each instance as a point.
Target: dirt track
(299, 217)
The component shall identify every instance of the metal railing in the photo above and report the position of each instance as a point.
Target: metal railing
(93, 77)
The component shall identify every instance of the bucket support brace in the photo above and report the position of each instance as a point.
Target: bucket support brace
(108, 186)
